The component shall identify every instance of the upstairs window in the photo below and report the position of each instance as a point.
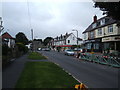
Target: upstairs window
(73, 38)
(110, 28)
(102, 22)
(98, 23)
(91, 35)
(94, 25)
(68, 41)
(85, 36)
(100, 31)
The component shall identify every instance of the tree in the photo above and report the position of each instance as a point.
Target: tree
(47, 40)
(111, 9)
(21, 38)
(38, 40)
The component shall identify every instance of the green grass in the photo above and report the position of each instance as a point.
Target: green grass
(44, 75)
(36, 56)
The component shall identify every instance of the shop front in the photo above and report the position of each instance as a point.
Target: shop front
(111, 44)
(93, 45)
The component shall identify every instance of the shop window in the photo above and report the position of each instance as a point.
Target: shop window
(96, 46)
(112, 45)
(89, 45)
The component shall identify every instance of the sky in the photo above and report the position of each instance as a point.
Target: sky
(48, 18)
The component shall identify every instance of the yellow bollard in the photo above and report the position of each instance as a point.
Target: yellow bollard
(80, 87)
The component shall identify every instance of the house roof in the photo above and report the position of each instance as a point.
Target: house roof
(64, 36)
(79, 39)
(7, 35)
(108, 22)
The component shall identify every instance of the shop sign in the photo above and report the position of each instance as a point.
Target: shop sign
(117, 38)
(107, 39)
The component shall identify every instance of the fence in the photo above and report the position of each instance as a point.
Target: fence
(112, 61)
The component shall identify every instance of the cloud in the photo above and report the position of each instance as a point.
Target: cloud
(48, 18)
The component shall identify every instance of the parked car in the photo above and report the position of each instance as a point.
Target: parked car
(79, 49)
(45, 49)
(69, 52)
(39, 49)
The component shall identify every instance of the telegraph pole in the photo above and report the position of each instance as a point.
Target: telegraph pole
(32, 34)
(32, 39)
(1, 26)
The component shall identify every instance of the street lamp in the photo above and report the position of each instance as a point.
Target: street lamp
(77, 39)
(1, 27)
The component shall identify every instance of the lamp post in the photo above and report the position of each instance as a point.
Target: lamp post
(77, 39)
(1, 27)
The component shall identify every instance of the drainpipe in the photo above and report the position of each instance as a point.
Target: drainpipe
(115, 46)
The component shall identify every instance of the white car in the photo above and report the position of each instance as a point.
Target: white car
(69, 52)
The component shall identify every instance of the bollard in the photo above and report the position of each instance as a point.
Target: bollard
(80, 87)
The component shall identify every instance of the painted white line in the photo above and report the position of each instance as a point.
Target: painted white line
(71, 75)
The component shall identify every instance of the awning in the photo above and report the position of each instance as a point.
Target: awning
(64, 46)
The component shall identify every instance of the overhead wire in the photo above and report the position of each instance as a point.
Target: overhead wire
(29, 15)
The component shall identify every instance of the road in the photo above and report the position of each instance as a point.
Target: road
(91, 74)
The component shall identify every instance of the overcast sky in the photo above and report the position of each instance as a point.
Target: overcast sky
(48, 19)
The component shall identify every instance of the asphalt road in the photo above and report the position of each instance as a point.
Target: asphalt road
(91, 74)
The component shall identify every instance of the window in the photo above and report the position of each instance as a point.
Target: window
(91, 35)
(89, 45)
(110, 28)
(85, 36)
(98, 23)
(68, 41)
(94, 25)
(102, 22)
(73, 38)
(99, 31)
(96, 46)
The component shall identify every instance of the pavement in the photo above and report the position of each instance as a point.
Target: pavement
(12, 72)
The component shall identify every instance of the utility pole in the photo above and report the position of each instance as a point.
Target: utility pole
(32, 34)
(32, 39)
(1, 27)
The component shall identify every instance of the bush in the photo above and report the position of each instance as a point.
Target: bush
(5, 49)
(22, 47)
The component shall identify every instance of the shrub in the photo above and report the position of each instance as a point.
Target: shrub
(22, 47)
(5, 49)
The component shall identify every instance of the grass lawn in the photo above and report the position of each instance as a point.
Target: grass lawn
(36, 56)
(44, 75)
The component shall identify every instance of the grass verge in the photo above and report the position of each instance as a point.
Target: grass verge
(36, 56)
(44, 75)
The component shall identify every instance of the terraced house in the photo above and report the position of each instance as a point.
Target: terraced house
(65, 41)
(102, 35)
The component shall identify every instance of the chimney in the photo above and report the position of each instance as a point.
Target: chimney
(95, 18)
